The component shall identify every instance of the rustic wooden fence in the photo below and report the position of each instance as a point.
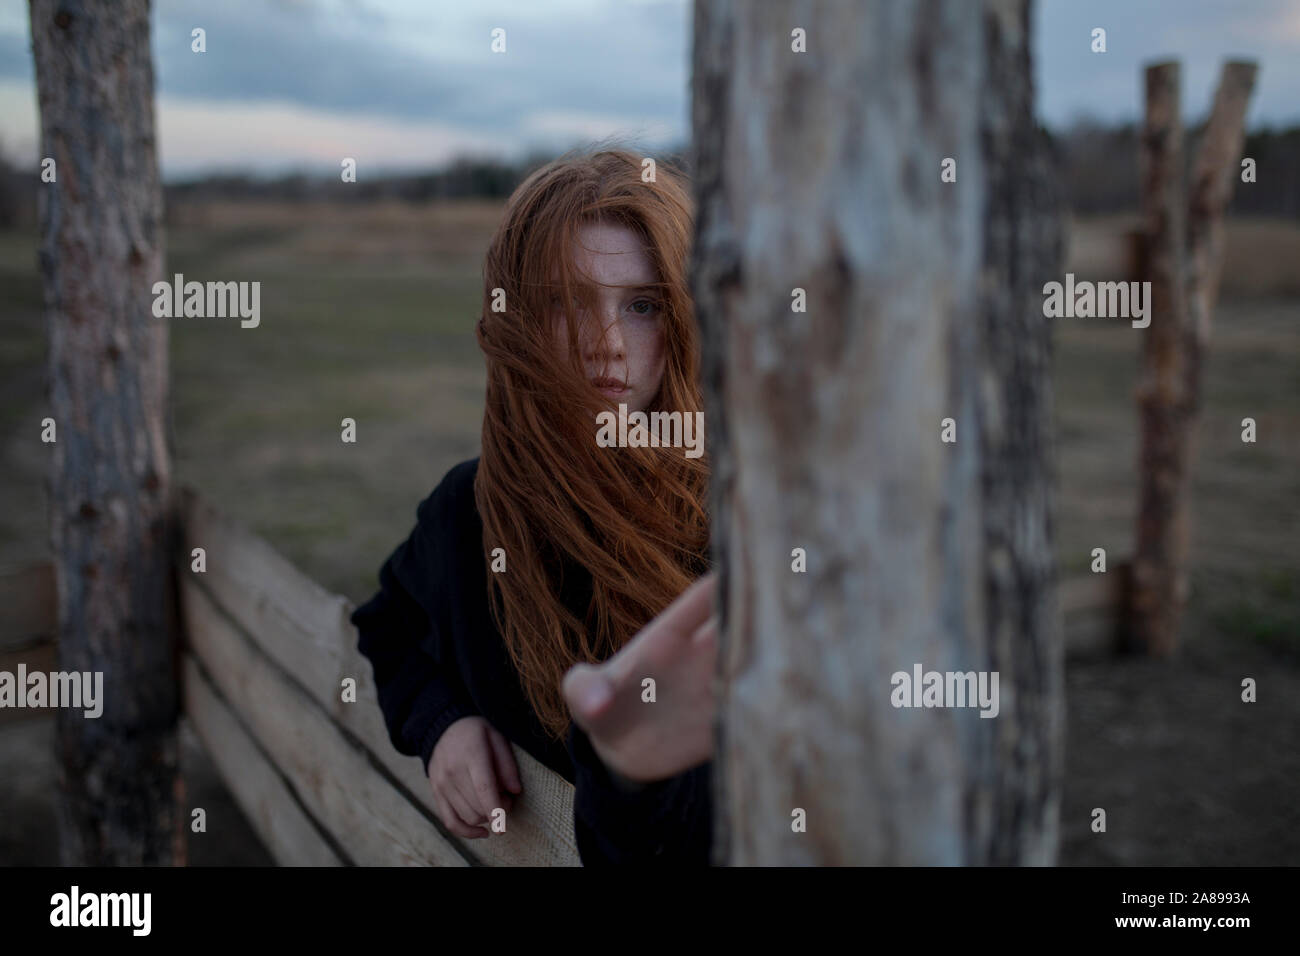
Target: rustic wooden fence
(265, 653)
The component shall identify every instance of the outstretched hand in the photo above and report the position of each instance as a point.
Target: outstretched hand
(646, 740)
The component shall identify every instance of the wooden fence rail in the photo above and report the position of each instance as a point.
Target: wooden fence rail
(28, 624)
(266, 651)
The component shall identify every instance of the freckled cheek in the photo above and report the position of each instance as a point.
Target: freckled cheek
(652, 358)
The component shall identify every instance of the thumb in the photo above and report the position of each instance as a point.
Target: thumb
(588, 692)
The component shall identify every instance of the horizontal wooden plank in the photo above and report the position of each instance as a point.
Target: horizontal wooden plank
(305, 630)
(29, 605)
(283, 825)
(374, 823)
(40, 657)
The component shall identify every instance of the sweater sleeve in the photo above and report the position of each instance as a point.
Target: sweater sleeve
(619, 822)
(419, 692)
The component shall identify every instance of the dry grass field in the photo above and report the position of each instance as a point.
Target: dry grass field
(367, 312)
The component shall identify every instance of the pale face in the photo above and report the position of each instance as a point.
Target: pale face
(627, 364)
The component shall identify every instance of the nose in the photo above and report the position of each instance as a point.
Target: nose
(610, 346)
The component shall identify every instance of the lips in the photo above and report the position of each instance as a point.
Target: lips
(610, 386)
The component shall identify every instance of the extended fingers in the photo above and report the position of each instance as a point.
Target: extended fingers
(708, 631)
(676, 623)
(693, 606)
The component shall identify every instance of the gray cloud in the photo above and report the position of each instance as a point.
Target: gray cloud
(593, 64)
(1073, 81)
(626, 61)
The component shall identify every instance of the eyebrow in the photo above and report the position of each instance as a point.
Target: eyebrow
(642, 287)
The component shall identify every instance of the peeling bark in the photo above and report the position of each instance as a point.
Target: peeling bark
(821, 171)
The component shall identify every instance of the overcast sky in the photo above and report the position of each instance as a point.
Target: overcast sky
(412, 83)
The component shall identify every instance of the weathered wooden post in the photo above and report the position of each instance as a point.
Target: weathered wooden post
(1184, 259)
(1160, 400)
(859, 307)
(110, 520)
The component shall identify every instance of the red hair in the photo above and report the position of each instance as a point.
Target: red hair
(635, 518)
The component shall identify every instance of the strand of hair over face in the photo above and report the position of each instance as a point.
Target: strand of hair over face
(634, 518)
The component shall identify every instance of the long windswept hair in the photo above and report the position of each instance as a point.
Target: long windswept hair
(635, 518)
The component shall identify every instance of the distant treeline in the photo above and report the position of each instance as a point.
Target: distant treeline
(461, 179)
(464, 178)
(1099, 168)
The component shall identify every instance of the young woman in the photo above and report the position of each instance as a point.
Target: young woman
(546, 579)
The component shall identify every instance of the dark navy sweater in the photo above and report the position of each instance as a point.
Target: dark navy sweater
(438, 656)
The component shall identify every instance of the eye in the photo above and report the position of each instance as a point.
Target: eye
(645, 307)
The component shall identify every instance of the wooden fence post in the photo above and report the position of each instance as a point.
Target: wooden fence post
(1013, 790)
(1184, 258)
(819, 184)
(110, 512)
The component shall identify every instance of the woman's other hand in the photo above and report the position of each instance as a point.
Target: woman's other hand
(471, 773)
